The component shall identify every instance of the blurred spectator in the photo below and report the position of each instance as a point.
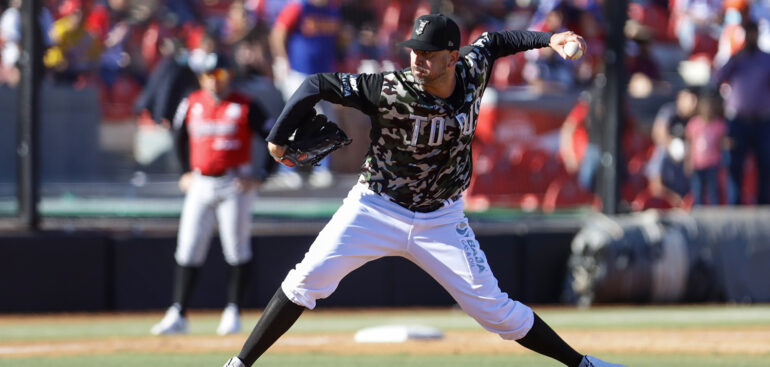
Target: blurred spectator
(359, 13)
(579, 154)
(253, 55)
(695, 23)
(546, 70)
(108, 22)
(238, 23)
(732, 37)
(357, 40)
(652, 15)
(10, 39)
(214, 13)
(747, 109)
(641, 65)
(181, 11)
(570, 9)
(254, 73)
(759, 10)
(580, 140)
(665, 170)
(75, 53)
(161, 26)
(397, 17)
(254, 77)
(170, 82)
(706, 134)
(303, 40)
(363, 54)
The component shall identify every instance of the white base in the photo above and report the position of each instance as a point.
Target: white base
(396, 333)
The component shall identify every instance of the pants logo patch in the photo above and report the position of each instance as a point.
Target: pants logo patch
(474, 255)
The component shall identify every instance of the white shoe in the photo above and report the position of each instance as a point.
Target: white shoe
(591, 361)
(172, 323)
(320, 179)
(234, 362)
(230, 322)
(283, 180)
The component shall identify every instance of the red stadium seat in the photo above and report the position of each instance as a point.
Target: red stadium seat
(510, 176)
(644, 200)
(565, 192)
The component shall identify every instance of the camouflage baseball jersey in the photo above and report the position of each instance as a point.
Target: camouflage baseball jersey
(420, 152)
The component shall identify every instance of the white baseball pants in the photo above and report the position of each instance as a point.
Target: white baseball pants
(368, 226)
(211, 201)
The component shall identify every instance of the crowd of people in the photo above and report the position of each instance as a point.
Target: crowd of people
(703, 147)
(698, 150)
(703, 138)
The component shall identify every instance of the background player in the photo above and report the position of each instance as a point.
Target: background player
(214, 126)
(408, 201)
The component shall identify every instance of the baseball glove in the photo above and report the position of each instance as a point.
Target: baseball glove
(314, 140)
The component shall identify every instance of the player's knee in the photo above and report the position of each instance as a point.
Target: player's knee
(189, 259)
(511, 320)
(300, 290)
(237, 258)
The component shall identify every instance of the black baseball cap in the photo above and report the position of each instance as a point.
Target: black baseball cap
(434, 32)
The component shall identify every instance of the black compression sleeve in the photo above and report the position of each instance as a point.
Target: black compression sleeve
(510, 42)
(280, 314)
(542, 339)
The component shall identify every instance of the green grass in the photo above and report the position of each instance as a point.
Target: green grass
(326, 360)
(18, 331)
(324, 321)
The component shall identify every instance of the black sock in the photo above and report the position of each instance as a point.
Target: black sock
(280, 314)
(237, 278)
(184, 281)
(542, 339)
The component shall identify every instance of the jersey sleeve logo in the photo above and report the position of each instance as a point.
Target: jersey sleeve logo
(349, 84)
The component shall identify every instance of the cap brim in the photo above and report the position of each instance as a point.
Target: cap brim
(419, 45)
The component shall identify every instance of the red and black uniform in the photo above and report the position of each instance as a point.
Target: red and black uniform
(214, 136)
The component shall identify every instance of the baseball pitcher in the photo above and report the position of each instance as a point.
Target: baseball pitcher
(408, 199)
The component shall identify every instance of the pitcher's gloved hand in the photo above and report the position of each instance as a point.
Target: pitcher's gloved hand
(313, 141)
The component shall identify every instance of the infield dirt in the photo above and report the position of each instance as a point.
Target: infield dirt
(692, 341)
(747, 339)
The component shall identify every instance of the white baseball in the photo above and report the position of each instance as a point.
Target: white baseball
(572, 49)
